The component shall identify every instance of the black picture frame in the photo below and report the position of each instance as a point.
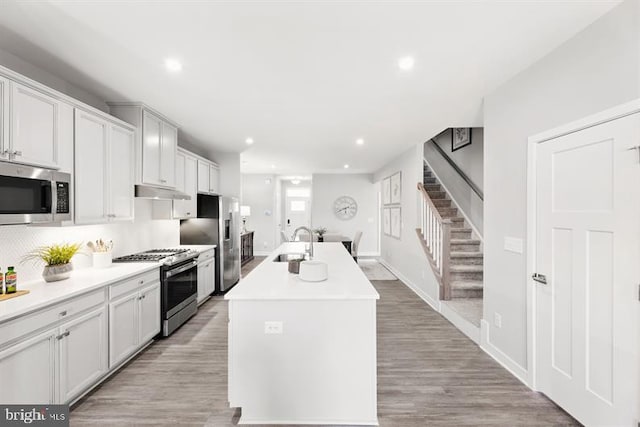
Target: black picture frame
(457, 142)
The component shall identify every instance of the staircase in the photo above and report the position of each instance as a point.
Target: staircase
(455, 255)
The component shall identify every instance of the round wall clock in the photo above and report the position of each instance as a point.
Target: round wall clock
(345, 207)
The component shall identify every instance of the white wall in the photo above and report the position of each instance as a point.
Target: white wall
(258, 192)
(128, 237)
(326, 188)
(406, 256)
(470, 160)
(597, 69)
(18, 65)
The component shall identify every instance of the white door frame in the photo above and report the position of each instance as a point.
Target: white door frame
(605, 116)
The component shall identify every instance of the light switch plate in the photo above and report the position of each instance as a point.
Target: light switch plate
(513, 244)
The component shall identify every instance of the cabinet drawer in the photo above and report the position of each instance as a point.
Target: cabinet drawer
(48, 316)
(206, 255)
(133, 284)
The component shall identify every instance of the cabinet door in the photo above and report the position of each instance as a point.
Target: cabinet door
(90, 168)
(34, 126)
(123, 328)
(202, 285)
(211, 277)
(191, 186)
(27, 370)
(83, 353)
(121, 173)
(179, 206)
(203, 177)
(214, 178)
(149, 312)
(151, 130)
(169, 145)
(4, 119)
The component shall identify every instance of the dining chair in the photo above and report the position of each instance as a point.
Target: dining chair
(355, 244)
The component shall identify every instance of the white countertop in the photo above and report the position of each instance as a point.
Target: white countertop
(272, 280)
(81, 281)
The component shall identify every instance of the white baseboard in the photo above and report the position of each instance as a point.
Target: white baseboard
(469, 329)
(435, 304)
(499, 356)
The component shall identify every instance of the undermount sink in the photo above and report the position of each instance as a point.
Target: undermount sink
(290, 257)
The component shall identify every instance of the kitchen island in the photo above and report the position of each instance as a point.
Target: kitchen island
(304, 352)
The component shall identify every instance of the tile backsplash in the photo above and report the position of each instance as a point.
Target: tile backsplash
(128, 237)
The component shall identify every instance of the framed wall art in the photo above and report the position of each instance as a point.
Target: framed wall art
(460, 137)
(386, 191)
(386, 221)
(396, 222)
(396, 188)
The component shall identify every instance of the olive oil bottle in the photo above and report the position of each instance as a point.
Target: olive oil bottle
(11, 281)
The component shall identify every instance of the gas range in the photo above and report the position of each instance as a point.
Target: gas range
(166, 257)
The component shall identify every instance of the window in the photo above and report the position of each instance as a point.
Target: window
(299, 192)
(298, 206)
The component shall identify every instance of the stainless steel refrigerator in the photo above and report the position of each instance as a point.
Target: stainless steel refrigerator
(218, 223)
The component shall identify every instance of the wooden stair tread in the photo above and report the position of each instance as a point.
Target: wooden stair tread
(470, 254)
(467, 241)
(466, 268)
(466, 284)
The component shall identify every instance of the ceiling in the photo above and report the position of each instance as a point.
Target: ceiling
(304, 80)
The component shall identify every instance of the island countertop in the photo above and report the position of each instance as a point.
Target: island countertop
(272, 280)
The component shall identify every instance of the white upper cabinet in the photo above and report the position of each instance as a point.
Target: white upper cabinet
(208, 177)
(121, 172)
(214, 178)
(90, 168)
(35, 127)
(151, 129)
(168, 147)
(186, 181)
(156, 144)
(104, 169)
(203, 176)
(4, 118)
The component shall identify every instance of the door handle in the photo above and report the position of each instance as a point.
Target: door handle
(540, 278)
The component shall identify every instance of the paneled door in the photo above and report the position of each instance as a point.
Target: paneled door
(121, 173)
(588, 248)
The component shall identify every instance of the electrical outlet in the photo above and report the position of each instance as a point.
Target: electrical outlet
(497, 320)
(273, 328)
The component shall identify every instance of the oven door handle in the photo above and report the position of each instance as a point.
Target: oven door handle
(189, 266)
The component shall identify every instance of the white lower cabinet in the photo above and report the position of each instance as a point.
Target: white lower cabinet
(27, 370)
(83, 353)
(123, 331)
(206, 275)
(134, 319)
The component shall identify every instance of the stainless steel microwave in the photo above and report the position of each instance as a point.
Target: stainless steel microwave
(33, 195)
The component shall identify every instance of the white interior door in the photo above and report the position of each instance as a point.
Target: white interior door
(297, 209)
(588, 247)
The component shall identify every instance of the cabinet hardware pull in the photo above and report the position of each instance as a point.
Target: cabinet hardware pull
(17, 153)
(65, 334)
(63, 313)
(141, 282)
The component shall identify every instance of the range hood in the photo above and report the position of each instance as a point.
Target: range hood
(149, 192)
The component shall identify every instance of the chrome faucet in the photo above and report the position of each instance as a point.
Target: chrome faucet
(295, 234)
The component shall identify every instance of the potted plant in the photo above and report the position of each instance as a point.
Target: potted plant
(320, 232)
(57, 260)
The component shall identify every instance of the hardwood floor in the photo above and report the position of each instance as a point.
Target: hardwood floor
(429, 374)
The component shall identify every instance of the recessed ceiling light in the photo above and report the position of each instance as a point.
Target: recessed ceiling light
(295, 181)
(249, 141)
(346, 166)
(273, 166)
(173, 65)
(406, 63)
(360, 141)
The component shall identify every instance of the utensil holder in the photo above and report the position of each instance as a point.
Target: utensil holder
(102, 259)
